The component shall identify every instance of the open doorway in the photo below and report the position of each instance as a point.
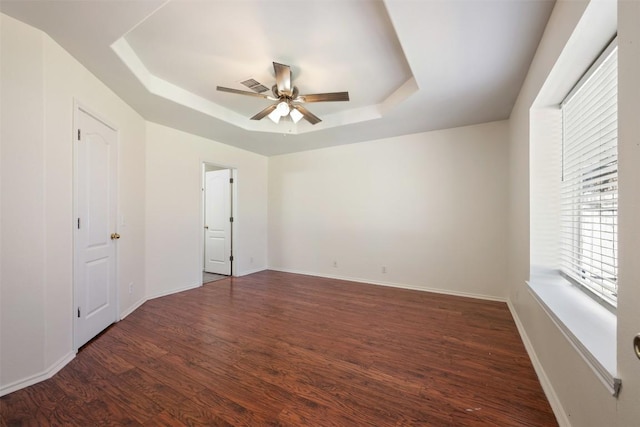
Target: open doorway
(218, 224)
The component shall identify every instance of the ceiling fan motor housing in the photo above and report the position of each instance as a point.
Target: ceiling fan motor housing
(289, 96)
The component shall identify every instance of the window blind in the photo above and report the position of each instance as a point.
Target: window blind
(589, 190)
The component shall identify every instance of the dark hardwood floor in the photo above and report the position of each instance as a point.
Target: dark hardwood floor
(283, 349)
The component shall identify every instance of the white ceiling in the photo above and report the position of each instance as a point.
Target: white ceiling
(409, 65)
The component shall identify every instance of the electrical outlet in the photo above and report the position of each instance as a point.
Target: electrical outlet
(335, 264)
(251, 260)
(384, 269)
(130, 288)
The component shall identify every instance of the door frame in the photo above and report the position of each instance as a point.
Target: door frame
(77, 107)
(234, 213)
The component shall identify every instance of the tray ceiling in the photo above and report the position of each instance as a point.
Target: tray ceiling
(409, 66)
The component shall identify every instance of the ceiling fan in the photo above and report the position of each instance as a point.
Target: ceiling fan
(287, 98)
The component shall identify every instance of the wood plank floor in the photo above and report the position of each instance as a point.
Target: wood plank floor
(283, 349)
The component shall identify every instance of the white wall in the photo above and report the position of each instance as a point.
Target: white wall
(174, 209)
(39, 81)
(39, 84)
(578, 396)
(430, 207)
(22, 294)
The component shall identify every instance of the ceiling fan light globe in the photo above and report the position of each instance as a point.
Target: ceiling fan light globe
(295, 115)
(283, 108)
(275, 116)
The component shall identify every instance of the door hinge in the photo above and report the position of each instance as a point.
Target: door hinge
(231, 219)
(230, 180)
(78, 223)
(231, 258)
(78, 134)
(78, 312)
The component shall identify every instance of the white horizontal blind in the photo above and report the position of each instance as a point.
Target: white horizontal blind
(589, 191)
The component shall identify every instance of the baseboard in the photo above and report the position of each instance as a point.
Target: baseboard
(174, 291)
(247, 272)
(552, 397)
(396, 285)
(34, 379)
(133, 308)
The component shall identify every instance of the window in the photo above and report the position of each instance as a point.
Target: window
(573, 194)
(589, 189)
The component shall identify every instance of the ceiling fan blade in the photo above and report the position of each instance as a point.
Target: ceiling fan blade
(283, 78)
(264, 113)
(324, 97)
(308, 115)
(243, 92)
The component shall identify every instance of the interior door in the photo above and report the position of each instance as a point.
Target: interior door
(95, 227)
(217, 247)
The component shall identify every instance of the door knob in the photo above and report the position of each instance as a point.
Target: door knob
(206, 227)
(115, 236)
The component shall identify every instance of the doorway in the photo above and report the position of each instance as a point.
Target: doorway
(218, 222)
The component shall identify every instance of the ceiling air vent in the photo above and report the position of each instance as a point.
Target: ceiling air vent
(255, 85)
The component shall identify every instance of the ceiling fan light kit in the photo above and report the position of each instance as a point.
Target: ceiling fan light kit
(287, 97)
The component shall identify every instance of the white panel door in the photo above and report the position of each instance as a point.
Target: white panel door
(95, 227)
(217, 223)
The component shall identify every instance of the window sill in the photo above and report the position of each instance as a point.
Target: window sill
(588, 326)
